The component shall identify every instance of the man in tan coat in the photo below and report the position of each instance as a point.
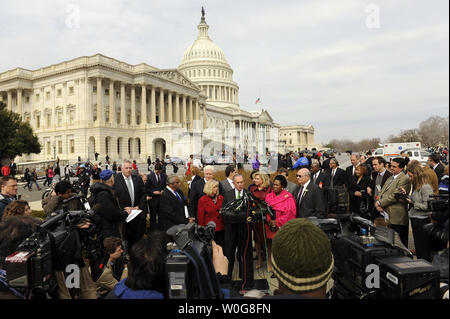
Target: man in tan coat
(394, 206)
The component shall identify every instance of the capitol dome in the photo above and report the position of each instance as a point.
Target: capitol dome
(204, 63)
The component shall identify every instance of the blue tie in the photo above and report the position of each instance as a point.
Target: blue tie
(178, 196)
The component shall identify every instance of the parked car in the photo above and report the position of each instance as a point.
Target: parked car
(227, 159)
(210, 160)
(175, 160)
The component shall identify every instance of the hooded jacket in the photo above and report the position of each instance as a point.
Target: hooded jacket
(109, 211)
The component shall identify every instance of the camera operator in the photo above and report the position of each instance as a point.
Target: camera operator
(146, 270)
(110, 213)
(54, 202)
(111, 269)
(12, 232)
(302, 260)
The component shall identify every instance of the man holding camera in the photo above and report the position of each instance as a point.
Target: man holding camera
(55, 202)
(391, 204)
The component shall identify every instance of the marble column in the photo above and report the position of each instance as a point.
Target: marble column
(191, 114)
(123, 116)
(177, 108)
(133, 105)
(197, 114)
(204, 117)
(99, 101)
(20, 103)
(169, 105)
(9, 100)
(162, 113)
(184, 111)
(112, 106)
(144, 105)
(153, 106)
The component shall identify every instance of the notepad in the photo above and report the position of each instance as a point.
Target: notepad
(133, 215)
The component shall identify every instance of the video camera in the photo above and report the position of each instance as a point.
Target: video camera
(248, 209)
(189, 266)
(55, 244)
(436, 233)
(363, 251)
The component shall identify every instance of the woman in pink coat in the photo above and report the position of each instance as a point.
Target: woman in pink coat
(283, 203)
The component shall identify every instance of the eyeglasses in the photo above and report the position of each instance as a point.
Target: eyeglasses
(301, 175)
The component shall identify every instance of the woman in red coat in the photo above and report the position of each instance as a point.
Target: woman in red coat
(209, 210)
(260, 189)
(283, 204)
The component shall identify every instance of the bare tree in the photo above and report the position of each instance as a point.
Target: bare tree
(434, 131)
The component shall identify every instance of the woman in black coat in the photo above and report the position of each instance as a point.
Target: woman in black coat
(109, 211)
(358, 193)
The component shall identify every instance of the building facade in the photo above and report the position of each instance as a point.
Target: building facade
(97, 104)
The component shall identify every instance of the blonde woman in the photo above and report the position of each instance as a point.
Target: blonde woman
(209, 210)
(260, 190)
(418, 214)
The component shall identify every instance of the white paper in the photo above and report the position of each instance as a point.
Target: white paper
(385, 215)
(186, 213)
(133, 215)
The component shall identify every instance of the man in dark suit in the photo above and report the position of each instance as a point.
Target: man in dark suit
(326, 163)
(333, 187)
(173, 205)
(227, 184)
(196, 190)
(129, 190)
(317, 175)
(238, 235)
(379, 177)
(309, 197)
(334, 176)
(156, 182)
(434, 161)
(350, 171)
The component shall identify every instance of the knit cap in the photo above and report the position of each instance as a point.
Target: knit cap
(301, 256)
(106, 174)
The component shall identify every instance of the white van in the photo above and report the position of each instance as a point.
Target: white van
(419, 155)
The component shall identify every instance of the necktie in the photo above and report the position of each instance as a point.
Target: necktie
(332, 177)
(239, 195)
(130, 189)
(299, 197)
(157, 178)
(178, 196)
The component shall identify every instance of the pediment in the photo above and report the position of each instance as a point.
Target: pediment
(176, 77)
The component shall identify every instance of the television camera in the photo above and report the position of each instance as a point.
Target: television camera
(436, 233)
(189, 266)
(371, 262)
(59, 241)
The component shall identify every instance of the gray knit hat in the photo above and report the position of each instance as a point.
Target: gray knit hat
(301, 256)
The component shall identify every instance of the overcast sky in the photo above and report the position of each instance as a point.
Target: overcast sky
(352, 69)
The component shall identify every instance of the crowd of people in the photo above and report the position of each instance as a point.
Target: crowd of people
(134, 248)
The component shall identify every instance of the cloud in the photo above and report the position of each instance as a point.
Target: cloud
(311, 62)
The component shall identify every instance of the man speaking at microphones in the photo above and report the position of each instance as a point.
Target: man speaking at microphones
(238, 233)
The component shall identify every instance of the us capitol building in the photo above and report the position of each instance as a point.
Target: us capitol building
(98, 104)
